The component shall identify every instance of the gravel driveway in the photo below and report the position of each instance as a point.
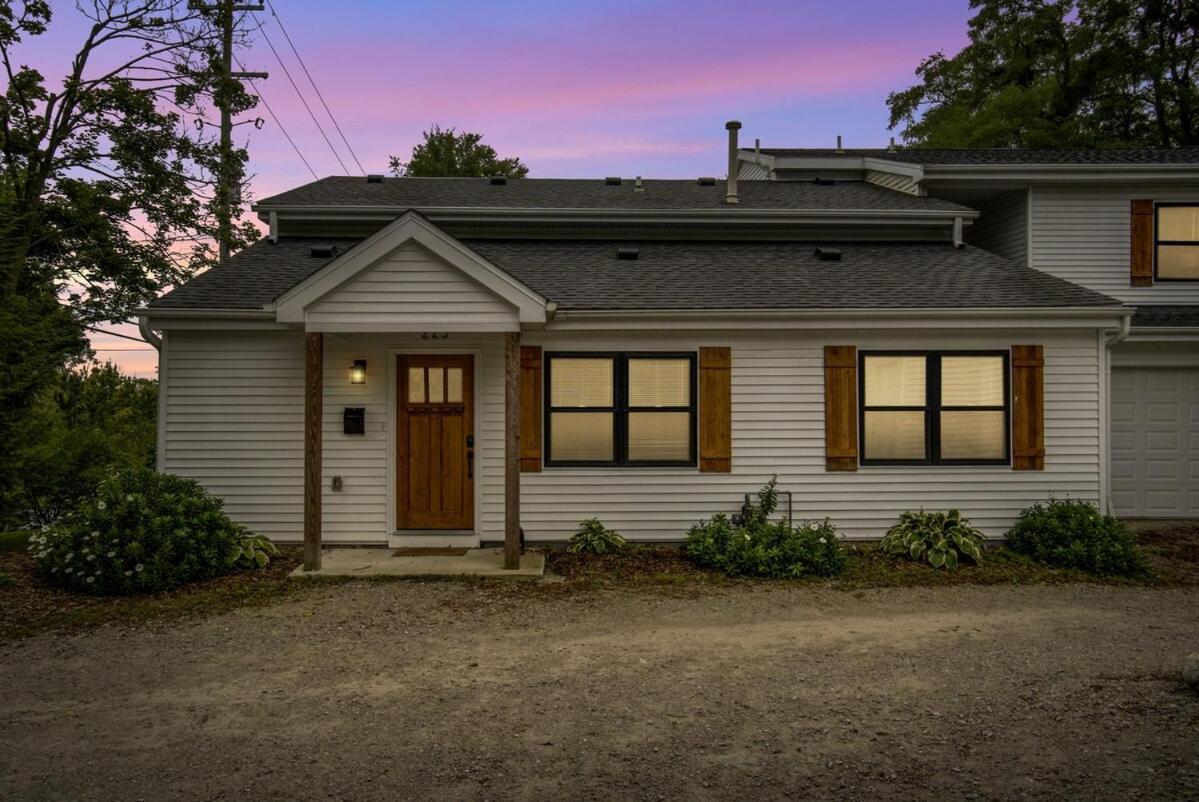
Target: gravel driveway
(448, 690)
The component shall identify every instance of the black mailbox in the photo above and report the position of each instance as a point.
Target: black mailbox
(354, 420)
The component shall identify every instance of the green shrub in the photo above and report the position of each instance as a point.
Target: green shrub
(753, 545)
(595, 538)
(940, 538)
(142, 532)
(1069, 533)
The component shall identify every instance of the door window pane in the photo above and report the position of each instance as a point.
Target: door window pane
(1178, 223)
(580, 382)
(416, 385)
(973, 435)
(894, 381)
(1178, 261)
(436, 385)
(453, 381)
(659, 382)
(972, 381)
(581, 436)
(894, 435)
(659, 436)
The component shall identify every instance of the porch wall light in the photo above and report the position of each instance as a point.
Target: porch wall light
(358, 372)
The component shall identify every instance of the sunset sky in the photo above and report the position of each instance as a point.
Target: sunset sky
(575, 89)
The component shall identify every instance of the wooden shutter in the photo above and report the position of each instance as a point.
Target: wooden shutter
(840, 408)
(1142, 243)
(715, 410)
(530, 408)
(1028, 408)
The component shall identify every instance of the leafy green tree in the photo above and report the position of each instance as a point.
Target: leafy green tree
(1078, 73)
(90, 422)
(106, 183)
(446, 153)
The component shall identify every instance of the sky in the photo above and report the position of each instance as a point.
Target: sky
(574, 88)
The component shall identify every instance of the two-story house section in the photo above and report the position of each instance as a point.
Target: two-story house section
(1122, 222)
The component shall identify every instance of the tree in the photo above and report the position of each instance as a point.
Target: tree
(446, 153)
(106, 187)
(86, 424)
(1078, 73)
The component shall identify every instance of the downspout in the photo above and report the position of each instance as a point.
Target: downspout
(143, 327)
(1112, 339)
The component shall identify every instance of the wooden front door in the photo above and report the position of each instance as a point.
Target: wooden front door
(436, 442)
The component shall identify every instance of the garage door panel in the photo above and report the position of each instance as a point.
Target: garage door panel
(1155, 442)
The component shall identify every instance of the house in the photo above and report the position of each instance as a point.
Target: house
(421, 361)
(1122, 222)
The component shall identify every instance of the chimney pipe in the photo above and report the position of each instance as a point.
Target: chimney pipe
(732, 126)
(839, 150)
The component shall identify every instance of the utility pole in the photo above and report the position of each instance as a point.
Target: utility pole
(225, 9)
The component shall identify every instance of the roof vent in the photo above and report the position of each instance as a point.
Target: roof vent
(707, 181)
(324, 252)
(612, 180)
(828, 254)
(823, 182)
(627, 252)
(637, 185)
(499, 180)
(374, 178)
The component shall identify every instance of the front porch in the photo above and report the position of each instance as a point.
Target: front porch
(369, 562)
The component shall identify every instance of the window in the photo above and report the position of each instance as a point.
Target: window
(620, 409)
(934, 408)
(1176, 242)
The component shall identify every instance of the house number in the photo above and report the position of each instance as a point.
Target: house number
(435, 335)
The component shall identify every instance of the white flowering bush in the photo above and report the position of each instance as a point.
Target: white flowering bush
(754, 545)
(142, 532)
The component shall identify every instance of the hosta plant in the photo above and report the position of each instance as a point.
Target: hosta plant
(254, 551)
(595, 538)
(941, 539)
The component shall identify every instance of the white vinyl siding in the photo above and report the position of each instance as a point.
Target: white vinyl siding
(234, 422)
(1083, 234)
(778, 427)
(1002, 226)
(410, 289)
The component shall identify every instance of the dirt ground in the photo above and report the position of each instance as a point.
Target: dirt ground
(386, 690)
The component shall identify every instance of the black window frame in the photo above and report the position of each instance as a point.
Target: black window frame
(620, 409)
(933, 407)
(1157, 242)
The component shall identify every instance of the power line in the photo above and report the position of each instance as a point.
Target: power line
(115, 334)
(303, 66)
(300, 95)
(275, 117)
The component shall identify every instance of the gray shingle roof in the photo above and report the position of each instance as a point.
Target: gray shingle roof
(254, 276)
(585, 274)
(569, 193)
(1166, 316)
(1013, 156)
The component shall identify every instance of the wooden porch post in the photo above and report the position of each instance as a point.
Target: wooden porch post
(512, 450)
(313, 413)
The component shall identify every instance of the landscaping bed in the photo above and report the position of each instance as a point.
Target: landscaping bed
(28, 604)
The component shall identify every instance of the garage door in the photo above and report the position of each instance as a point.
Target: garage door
(1155, 442)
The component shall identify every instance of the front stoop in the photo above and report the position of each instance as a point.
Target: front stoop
(383, 562)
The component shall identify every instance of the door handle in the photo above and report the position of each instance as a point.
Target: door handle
(470, 464)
